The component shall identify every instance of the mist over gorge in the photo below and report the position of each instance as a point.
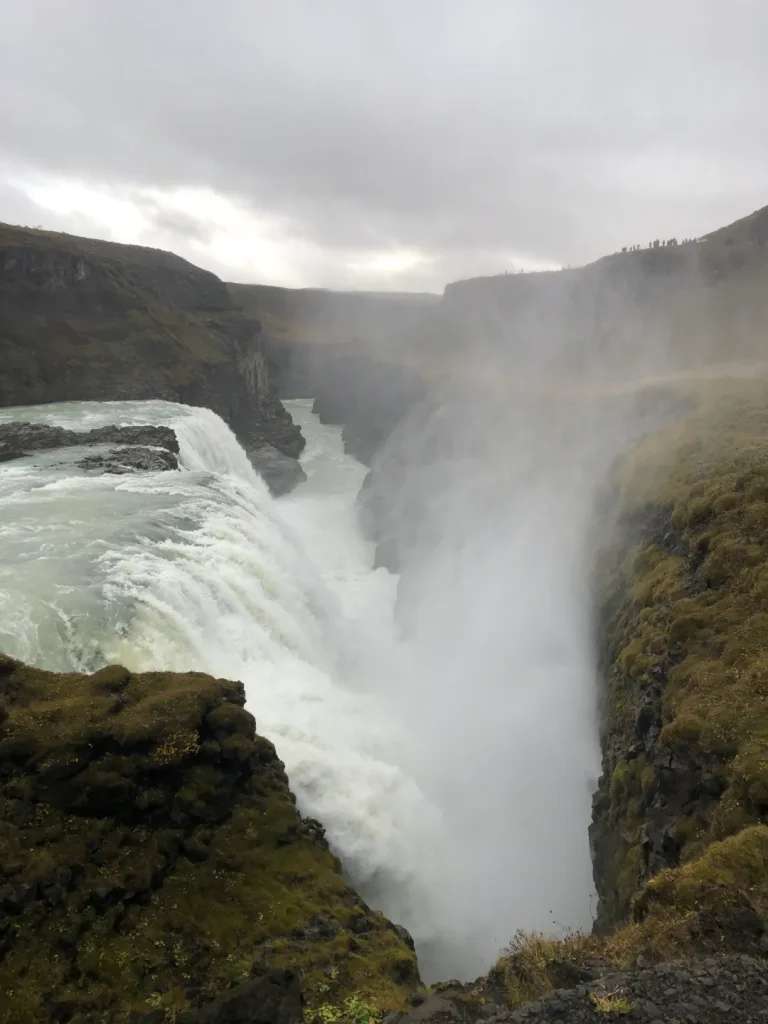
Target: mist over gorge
(383, 512)
(469, 607)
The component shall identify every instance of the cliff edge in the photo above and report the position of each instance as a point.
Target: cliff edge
(87, 320)
(154, 867)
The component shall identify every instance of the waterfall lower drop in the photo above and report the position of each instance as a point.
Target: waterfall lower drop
(383, 739)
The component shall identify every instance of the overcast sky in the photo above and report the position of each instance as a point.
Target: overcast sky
(369, 144)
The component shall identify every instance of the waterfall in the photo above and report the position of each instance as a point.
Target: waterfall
(203, 570)
(449, 760)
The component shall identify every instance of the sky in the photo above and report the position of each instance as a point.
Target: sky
(390, 145)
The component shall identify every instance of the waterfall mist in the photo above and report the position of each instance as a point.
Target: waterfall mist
(442, 726)
(494, 512)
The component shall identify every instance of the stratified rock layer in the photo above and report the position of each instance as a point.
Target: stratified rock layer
(82, 319)
(153, 865)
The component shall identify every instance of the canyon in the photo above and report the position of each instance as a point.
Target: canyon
(562, 479)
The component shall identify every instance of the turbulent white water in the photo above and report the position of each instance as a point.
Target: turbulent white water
(420, 764)
(202, 569)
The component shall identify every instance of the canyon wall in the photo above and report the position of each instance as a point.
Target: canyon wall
(82, 319)
(658, 309)
(679, 835)
(359, 355)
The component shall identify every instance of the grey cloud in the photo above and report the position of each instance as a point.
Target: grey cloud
(18, 208)
(176, 223)
(554, 129)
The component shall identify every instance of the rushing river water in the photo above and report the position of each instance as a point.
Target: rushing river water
(202, 569)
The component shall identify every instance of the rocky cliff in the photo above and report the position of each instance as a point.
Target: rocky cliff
(154, 867)
(359, 355)
(647, 311)
(89, 320)
(684, 646)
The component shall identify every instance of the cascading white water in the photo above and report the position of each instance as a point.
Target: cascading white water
(202, 569)
(437, 762)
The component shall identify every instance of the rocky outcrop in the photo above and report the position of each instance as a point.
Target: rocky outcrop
(697, 954)
(365, 395)
(82, 319)
(357, 354)
(129, 460)
(153, 864)
(715, 990)
(280, 472)
(141, 447)
(274, 998)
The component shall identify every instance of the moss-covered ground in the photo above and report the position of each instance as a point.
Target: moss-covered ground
(152, 857)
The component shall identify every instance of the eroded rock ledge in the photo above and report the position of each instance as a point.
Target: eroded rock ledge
(154, 867)
(141, 447)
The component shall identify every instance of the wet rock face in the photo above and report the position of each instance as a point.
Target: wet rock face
(153, 865)
(281, 473)
(130, 460)
(146, 447)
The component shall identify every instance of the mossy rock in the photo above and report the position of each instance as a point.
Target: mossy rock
(684, 623)
(152, 858)
(715, 904)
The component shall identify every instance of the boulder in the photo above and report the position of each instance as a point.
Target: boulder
(143, 447)
(280, 472)
(274, 998)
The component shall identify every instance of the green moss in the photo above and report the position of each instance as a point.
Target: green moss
(620, 780)
(648, 780)
(686, 618)
(716, 903)
(152, 855)
(528, 967)
(735, 866)
(682, 732)
(611, 1004)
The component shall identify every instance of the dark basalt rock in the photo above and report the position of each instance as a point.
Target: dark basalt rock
(280, 472)
(130, 460)
(273, 999)
(715, 990)
(146, 447)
